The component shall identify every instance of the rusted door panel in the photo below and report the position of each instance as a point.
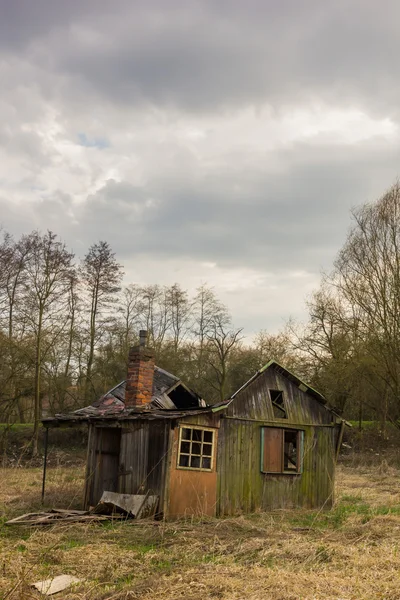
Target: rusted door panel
(192, 492)
(273, 444)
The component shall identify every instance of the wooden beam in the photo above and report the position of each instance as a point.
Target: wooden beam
(339, 440)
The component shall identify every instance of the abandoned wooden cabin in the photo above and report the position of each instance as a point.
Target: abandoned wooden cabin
(273, 443)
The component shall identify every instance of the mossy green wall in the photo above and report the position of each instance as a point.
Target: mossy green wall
(242, 487)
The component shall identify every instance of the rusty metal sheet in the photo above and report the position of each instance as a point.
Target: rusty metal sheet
(137, 505)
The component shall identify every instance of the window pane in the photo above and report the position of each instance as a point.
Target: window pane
(183, 461)
(208, 435)
(197, 435)
(196, 448)
(207, 449)
(206, 463)
(186, 433)
(195, 462)
(185, 447)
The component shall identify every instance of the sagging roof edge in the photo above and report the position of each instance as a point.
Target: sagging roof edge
(149, 415)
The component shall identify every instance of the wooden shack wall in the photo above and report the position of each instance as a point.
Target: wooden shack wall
(253, 401)
(144, 451)
(140, 465)
(102, 463)
(242, 487)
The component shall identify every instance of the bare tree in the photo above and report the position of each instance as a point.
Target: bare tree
(13, 258)
(205, 307)
(222, 340)
(367, 276)
(129, 314)
(156, 317)
(180, 311)
(47, 274)
(101, 277)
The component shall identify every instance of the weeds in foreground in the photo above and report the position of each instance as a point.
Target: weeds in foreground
(348, 553)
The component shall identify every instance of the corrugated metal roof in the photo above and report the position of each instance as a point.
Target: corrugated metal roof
(112, 403)
(148, 414)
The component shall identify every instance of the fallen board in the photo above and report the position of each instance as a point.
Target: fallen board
(138, 506)
(48, 587)
(61, 516)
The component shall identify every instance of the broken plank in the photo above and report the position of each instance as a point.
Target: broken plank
(56, 584)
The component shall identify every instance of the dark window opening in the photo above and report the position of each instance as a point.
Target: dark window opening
(195, 448)
(290, 451)
(182, 398)
(278, 404)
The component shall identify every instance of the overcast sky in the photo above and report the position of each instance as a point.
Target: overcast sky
(207, 141)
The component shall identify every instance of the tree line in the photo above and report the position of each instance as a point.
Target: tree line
(66, 326)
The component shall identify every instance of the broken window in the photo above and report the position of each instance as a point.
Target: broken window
(196, 448)
(278, 404)
(281, 450)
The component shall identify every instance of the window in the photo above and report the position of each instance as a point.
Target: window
(281, 450)
(196, 448)
(278, 404)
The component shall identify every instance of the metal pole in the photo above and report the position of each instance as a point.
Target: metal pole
(46, 439)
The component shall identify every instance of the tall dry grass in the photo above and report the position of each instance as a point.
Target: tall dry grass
(349, 553)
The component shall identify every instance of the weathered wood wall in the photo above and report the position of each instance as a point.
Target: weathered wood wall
(103, 460)
(144, 450)
(242, 487)
(253, 401)
(130, 459)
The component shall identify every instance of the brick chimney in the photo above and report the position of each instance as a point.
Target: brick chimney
(139, 382)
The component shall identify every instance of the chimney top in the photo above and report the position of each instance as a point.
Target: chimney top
(139, 381)
(142, 338)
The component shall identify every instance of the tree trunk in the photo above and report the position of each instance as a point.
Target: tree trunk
(37, 403)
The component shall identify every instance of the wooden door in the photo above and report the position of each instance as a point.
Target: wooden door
(192, 491)
(106, 462)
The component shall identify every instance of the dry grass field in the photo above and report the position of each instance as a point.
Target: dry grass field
(349, 553)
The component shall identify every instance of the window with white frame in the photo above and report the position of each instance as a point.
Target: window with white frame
(196, 448)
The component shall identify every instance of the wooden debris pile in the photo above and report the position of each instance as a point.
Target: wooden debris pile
(58, 515)
(112, 506)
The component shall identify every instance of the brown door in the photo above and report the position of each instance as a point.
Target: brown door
(193, 475)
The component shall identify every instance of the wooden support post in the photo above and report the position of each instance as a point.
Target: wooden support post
(46, 440)
(340, 439)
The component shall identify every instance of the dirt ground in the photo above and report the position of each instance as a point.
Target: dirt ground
(349, 553)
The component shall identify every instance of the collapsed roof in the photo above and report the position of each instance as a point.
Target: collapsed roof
(168, 393)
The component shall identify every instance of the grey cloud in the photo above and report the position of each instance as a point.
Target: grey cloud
(215, 55)
(296, 220)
